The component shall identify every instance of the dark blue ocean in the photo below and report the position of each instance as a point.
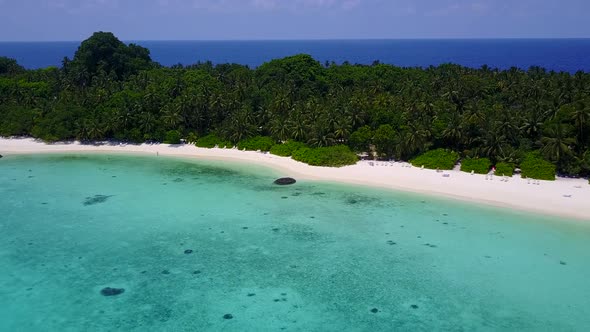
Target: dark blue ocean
(568, 55)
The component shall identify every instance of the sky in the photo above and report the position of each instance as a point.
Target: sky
(61, 20)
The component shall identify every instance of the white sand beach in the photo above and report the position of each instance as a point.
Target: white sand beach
(564, 197)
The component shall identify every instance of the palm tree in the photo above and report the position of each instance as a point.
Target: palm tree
(279, 129)
(416, 139)
(533, 123)
(342, 129)
(147, 123)
(581, 117)
(321, 135)
(453, 133)
(95, 128)
(555, 142)
(493, 144)
(299, 128)
(171, 116)
(240, 125)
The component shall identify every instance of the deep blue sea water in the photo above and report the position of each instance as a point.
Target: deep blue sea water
(568, 55)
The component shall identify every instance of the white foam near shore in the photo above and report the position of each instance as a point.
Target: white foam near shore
(563, 197)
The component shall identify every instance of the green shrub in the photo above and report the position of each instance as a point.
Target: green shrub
(286, 149)
(436, 159)
(535, 167)
(192, 138)
(361, 139)
(504, 169)
(211, 140)
(172, 137)
(262, 143)
(333, 156)
(477, 165)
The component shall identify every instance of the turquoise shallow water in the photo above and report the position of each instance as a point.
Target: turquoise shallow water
(309, 257)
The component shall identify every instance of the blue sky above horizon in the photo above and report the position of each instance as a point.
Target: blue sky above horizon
(50, 20)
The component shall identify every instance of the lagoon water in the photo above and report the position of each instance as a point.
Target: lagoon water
(211, 246)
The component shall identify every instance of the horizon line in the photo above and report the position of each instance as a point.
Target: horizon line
(310, 39)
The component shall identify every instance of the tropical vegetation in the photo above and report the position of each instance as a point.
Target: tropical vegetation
(113, 91)
(476, 165)
(439, 159)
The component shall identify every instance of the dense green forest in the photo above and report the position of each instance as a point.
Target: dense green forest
(111, 90)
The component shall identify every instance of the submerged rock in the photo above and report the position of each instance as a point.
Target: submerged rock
(285, 181)
(108, 291)
(96, 199)
(188, 251)
(1, 156)
(228, 316)
(374, 310)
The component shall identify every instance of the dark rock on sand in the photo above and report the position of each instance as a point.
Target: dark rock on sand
(108, 291)
(285, 181)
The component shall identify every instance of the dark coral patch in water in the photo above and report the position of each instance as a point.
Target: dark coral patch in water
(228, 316)
(285, 181)
(197, 272)
(108, 291)
(251, 294)
(96, 199)
(188, 251)
(165, 272)
(374, 310)
(562, 263)
(391, 243)
(414, 306)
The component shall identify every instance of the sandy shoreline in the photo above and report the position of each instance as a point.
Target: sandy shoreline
(565, 197)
